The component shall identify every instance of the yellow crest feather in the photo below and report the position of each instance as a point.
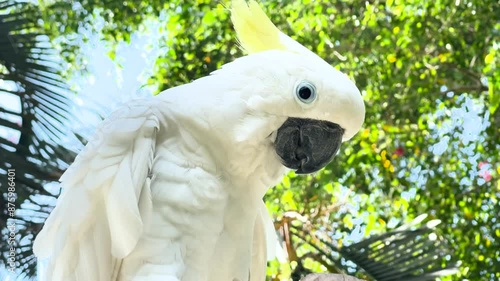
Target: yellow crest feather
(254, 29)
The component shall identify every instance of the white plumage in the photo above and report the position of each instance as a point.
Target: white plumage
(170, 188)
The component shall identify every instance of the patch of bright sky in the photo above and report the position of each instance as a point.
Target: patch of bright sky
(461, 129)
(109, 83)
(106, 85)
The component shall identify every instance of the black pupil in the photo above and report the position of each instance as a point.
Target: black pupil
(305, 92)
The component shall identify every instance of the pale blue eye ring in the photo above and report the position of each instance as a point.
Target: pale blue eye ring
(306, 92)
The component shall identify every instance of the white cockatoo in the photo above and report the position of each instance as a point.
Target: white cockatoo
(170, 188)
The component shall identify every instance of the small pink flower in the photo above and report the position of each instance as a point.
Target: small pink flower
(481, 164)
(486, 175)
(399, 151)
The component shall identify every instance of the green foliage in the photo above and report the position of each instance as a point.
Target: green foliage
(424, 68)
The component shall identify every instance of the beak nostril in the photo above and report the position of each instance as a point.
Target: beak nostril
(300, 154)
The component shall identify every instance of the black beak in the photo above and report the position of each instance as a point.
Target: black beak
(307, 145)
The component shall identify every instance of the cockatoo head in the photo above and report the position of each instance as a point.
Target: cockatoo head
(309, 106)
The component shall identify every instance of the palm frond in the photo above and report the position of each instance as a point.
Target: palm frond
(30, 75)
(403, 254)
(409, 255)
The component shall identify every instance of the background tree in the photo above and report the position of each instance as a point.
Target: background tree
(429, 75)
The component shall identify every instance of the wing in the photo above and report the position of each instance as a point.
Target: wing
(264, 244)
(105, 201)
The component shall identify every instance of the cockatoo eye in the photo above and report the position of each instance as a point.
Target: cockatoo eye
(306, 92)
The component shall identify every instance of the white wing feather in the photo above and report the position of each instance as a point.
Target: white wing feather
(264, 244)
(105, 201)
